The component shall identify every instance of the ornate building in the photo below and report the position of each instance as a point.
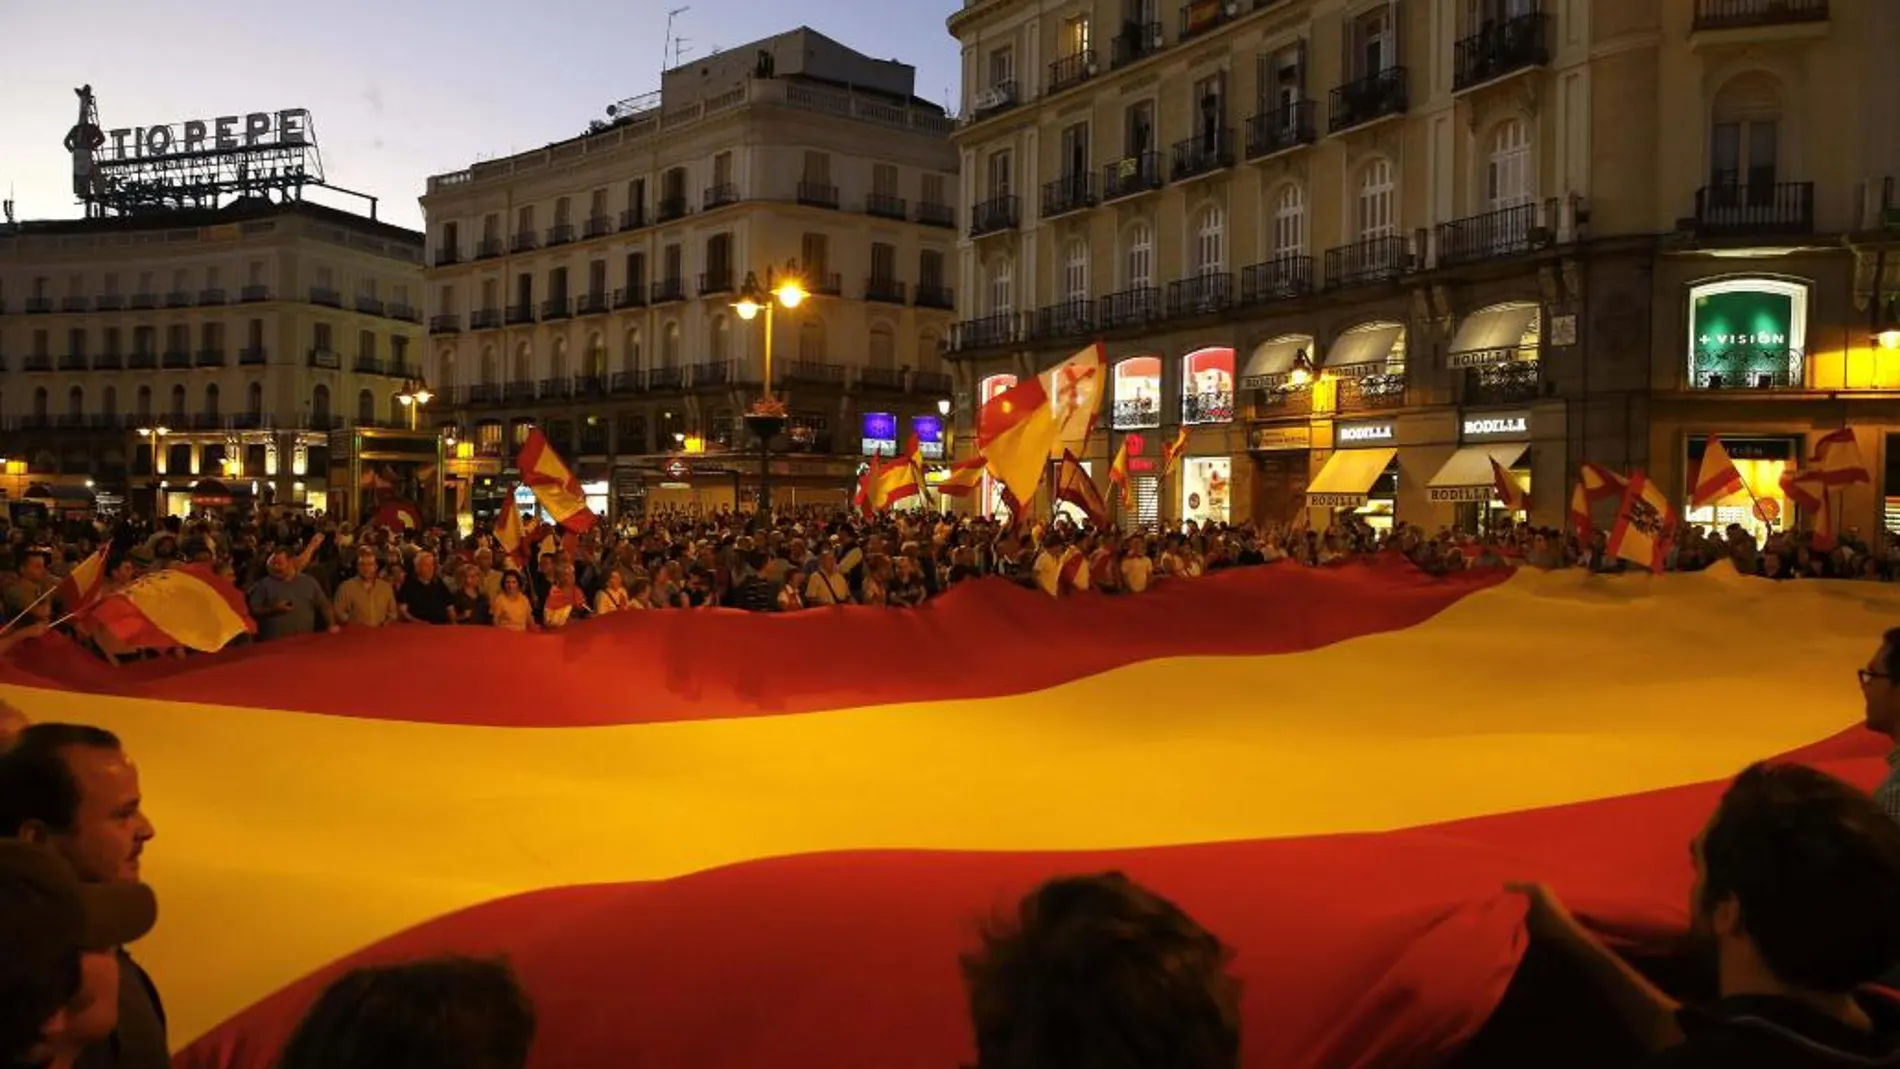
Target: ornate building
(587, 287)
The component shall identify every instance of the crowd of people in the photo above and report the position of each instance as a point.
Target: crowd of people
(304, 574)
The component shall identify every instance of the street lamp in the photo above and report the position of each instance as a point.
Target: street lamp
(766, 417)
(415, 393)
(155, 433)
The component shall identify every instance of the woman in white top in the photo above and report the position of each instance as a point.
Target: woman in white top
(612, 597)
(827, 585)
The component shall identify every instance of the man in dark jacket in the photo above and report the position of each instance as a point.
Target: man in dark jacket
(1797, 895)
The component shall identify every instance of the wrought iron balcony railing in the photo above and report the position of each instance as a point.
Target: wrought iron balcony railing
(1362, 100)
(1072, 70)
(1134, 307)
(1279, 279)
(1203, 294)
(1137, 41)
(1496, 49)
(1282, 128)
(1131, 175)
(1136, 413)
(995, 215)
(1504, 232)
(1739, 14)
(1206, 152)
(1743, 209)
(1364, 262)
(1072, 318)
(1069, 193)
(1768, 368)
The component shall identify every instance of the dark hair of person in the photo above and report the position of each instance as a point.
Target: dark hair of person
(1814, 866)
(1097, 972)
(36, 783)
(34, 987)
(1890, 664)
(440, 1013)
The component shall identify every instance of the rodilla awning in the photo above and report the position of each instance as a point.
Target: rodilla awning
(1272, 361)
(1467, 475)
(1491, 336)
(1355, 348)
(1347, 477)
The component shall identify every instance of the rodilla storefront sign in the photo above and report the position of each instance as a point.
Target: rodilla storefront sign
(1362, 434)
(1494, 426)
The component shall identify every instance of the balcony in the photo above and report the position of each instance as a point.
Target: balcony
(599, 226)
(1069, 193)
(1214, 406)
(1747, 14)
(178, 299)
(39, 305)
(326, 296)
(251, 356)
(523, 241)
(1072, 318)
(1755, 209)
(995, 215)
(1205, 16)
(1205, 153)
(484, 319)
(174, 360)
(1135, 307)
(1282, 278)
(1368, 99)
(717, 280)
(1367, 262)
(1510, 382)
(210, 296)
(554, 389)
(818, 194)
(942, 215)
(1505, 232)
(1770, 368)
(933, 295)
(589, 386)
(1521, 42)
(80, 304)
(253, 294)
(37, 362)
(483, 393)
(814, 371)
(633, 218)
(488, 248)
(104, 362)
(1281, 129)
(207, 421)
(886, 206)
(665, 378)
(518, 314)
(719, 195)
(930, 382)
(324, 358)
(997, 98)
(1072, 70)
(1131, 176)
(73, 362)
(367, 364)
(447, 257)
(670, 208)
(828, 285)
(1135, 414)
(668, 289)
(1205, 294)
(712, 373)
(141, 361)
(560, 234)
(371, 306)
(591, 304)
(209, 358)
(883, 290)
(556, 308)
(881, 378)
(1368, 388)
(138, 302)
(518, 390)
(110, 302)
(406, 313)
(988, 332)
(634, 296)
(1136, 42)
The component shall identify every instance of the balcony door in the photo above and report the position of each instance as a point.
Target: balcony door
(999, 174)
(1742, 157)
(1140, 128)
(1210, 104)
(1075, 150)
(1371, 43)
(1282, 83)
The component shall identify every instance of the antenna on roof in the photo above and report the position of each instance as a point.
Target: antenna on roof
(669, 45)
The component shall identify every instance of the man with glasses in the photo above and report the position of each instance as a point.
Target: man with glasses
(1880, 690)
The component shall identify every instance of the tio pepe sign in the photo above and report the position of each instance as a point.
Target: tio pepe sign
(226, 133)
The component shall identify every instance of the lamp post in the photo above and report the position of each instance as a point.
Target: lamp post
(766, 417)
(156, 434)
(415, 393)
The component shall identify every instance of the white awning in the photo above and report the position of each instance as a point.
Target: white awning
(1491, 336)
(1347, 477)
(1467, 475)
(1272, 361)
(1356, 347)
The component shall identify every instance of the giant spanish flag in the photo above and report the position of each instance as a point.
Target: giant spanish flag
(714, 840)
(553, 483)
(188, 605)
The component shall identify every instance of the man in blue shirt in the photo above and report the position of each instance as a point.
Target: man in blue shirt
(288, 602)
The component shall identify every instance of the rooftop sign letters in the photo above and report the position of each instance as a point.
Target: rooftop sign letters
(227, 133)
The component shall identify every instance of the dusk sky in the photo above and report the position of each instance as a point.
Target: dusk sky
(397, 90)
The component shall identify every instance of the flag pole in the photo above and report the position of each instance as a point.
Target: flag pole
(28, 611)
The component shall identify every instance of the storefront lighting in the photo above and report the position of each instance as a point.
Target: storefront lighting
(1302, 372)
(1888, 333)
(943, 406)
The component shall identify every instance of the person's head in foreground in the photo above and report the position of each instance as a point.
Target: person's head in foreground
(441, 1013)
(59, 966)
(1880, 686)
(1097, 972)
(72, 787)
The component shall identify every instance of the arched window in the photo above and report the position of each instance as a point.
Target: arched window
(144, 402)
(254, 399)
(365, 407)
(596, 355)
(670, 344)
(76, 402)
(110, 404)
(1288, 237)
(1510, 180)
(630, 355)
(883, 346)
(524, 363)
(1138, 259)
(445, 369)
(1002, 288)
(1374, 216)
(929, 352)
(211, 399)
(1075, 271)
(491, 367)
(1207, 385)
(320, 405)
(178, 404)
(40, 404)
(557, 364)
(720, 347)
(811, 341)
(1210, 241)
(1137, 393)
(1745, 138)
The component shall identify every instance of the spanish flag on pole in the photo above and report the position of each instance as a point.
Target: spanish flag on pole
(510, 533)
(963, 478)
(1717, 478)
(190, 606)
(1645, 526)
(1600, 482)
(1172, 452)
(1510, 491)
(1021, 428)
(1119, 478)
(83, 583)
(1837, 457)
(1076, 487)
(554, 485)
(1809, 492)
(900, 479)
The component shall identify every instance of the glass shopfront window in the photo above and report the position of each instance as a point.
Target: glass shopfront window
(1748, 334)
(1137, 397)
(1207, 386)
(1206, 488)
